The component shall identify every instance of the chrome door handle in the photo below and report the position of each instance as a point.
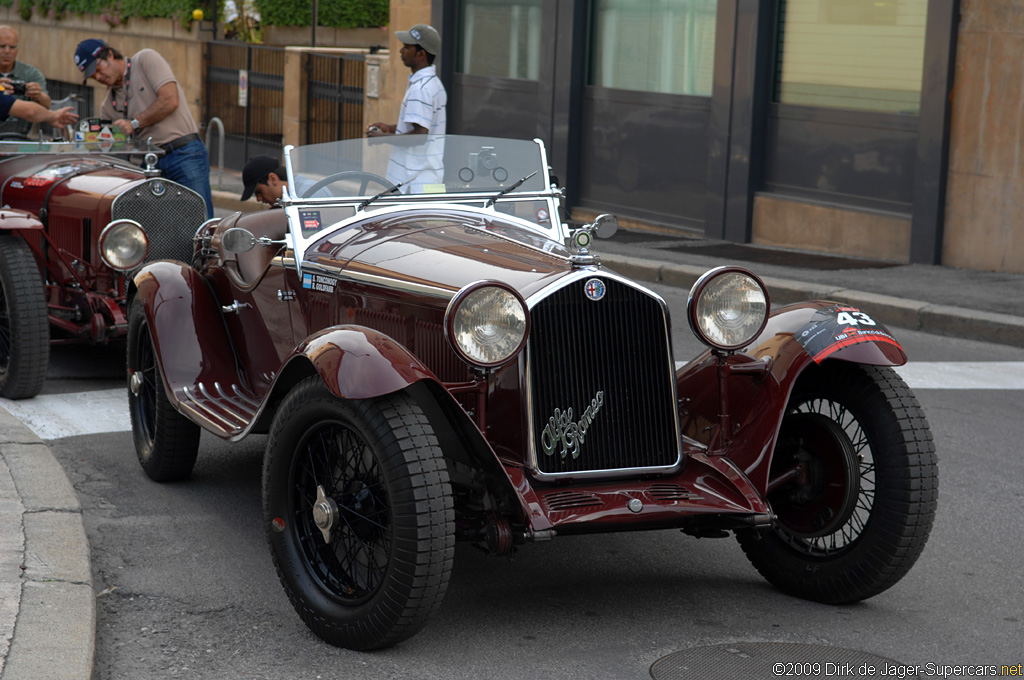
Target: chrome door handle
(235, 307)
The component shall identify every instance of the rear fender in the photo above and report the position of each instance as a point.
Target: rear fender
(189, 337)
(796, 338)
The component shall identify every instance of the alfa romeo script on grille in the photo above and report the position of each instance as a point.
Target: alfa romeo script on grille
(564, 434)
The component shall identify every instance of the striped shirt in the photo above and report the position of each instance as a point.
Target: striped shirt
(424, 104)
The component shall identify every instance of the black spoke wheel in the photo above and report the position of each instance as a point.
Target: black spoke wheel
(359, 514)
(24, 326)
(166, 442)
(853, 485)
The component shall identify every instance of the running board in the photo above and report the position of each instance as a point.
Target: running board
(224, 411)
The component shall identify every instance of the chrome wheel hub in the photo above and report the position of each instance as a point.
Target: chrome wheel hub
(325, 513)
(135, 383)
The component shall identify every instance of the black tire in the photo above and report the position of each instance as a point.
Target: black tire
(857, 518)
(24, 324)
(166, 442)
(386, 567)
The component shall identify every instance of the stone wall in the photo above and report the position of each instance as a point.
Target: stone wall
(49, 45)
(985, 195)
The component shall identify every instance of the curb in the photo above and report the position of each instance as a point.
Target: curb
(913, 314)
(49, 611)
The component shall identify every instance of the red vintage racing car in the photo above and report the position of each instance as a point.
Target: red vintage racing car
(77, 219)
(437, 357)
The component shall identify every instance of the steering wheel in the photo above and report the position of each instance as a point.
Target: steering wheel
(366, 177)
(14, 137)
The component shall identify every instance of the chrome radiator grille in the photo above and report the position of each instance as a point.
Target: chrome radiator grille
(608, 361)
(170, 214)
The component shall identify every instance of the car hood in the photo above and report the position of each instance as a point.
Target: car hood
(442, 250)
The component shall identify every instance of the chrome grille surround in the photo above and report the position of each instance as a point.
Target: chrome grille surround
(619, 345)
(168, 211)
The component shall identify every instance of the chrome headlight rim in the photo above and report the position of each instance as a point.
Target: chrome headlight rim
(112, 231)
(701, 287)
(451, 315)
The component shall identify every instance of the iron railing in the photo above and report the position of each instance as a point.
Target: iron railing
(335, 97)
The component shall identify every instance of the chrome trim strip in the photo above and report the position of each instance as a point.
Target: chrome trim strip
(206, 414)
(231, 399)
(532, 456)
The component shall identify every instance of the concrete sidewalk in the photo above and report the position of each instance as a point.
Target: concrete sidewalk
(47, 603)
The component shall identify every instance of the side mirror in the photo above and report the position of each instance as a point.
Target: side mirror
(605, 226)
(237, 240)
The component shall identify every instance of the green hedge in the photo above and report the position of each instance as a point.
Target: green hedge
(338, 13)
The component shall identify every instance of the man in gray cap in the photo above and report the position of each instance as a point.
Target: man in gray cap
(424, 105)
(418, 166)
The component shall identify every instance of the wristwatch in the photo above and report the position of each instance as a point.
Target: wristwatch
(135, 123)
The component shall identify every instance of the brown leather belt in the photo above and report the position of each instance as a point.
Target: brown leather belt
(179, 142)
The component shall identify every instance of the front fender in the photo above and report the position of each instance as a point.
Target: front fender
(18, 219)
(179, 306)
(796, 337)
(356, 362)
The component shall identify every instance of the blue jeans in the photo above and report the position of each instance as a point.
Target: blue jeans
(190, 167)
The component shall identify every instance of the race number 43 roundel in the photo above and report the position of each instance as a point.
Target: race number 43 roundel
(832, 328)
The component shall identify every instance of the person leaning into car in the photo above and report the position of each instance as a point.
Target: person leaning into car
(144, 98)
(14, 71)
(268, 179)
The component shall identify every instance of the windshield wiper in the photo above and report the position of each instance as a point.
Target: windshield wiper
(511, 187)
(371, 199)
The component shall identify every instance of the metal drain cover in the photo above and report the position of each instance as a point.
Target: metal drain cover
(768, 660)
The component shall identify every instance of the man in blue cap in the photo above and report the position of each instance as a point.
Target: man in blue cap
(144, 98)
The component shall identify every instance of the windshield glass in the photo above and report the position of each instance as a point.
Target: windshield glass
(422, 164)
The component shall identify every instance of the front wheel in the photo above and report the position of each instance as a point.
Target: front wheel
(853, 485)
(359, 514)
(166, 442)
(24, 326)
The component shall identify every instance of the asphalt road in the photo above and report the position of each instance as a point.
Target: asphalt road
(187, 589)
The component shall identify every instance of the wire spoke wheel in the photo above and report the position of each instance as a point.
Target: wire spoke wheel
(853, 485)
(353, 563)
(359, 514)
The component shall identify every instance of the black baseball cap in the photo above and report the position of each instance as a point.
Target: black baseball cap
(256, 169)
(85, 56)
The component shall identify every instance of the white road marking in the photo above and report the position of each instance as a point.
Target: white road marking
(54, 416)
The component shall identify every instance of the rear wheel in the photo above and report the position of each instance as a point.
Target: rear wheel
(359, 514)
(24, 326)
(853, 484)
(166, 442)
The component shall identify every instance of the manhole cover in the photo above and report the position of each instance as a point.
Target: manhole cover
(770, 660)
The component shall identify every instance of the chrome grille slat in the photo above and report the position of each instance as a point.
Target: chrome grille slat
(618, 346)
(170, 219)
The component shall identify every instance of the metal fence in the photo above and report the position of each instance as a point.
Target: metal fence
(335, 97)
(257, 127)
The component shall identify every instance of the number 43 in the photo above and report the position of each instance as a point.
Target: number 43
(855, 319)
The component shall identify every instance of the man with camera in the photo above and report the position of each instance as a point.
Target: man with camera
(20, 80)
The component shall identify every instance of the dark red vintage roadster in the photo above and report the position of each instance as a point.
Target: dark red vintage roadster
(436, 358)
(77, 219)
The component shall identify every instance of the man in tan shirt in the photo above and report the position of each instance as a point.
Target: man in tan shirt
(145, 99)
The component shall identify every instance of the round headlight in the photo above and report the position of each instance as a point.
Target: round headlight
(123, 245)
(487, 324)
(727, 308)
